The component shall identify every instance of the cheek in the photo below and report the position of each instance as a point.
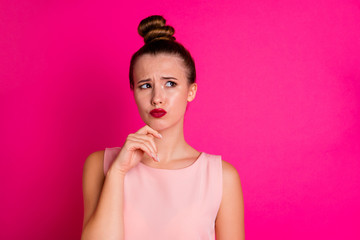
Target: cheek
(139, 100)
(179, 102)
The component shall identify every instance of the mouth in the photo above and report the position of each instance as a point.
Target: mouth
(158, 112)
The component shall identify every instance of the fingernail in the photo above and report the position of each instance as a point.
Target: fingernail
(157, 158)
(153, 156)
(159, 135)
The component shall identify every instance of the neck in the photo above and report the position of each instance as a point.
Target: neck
(172, 145)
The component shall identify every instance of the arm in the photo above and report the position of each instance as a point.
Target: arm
(229, 224)
(103, 200)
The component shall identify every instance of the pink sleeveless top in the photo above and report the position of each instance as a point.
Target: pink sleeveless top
(176, 204)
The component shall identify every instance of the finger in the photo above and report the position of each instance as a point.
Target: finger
(149, 138)
(145, 139)
(143, 146)
(147, 129)
(140, 145)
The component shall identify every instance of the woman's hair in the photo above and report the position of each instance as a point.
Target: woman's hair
(159, 38)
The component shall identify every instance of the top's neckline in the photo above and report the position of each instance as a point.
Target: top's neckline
(177, 169)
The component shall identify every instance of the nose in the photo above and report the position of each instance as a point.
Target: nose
(158, 97)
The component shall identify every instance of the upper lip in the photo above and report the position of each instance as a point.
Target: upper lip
(157, 110)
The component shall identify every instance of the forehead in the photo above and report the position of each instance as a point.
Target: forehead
(149, 65)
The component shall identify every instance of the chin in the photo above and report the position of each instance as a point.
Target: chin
(157, 126)
(160, 124)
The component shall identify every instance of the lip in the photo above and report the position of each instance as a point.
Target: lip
(158, 112)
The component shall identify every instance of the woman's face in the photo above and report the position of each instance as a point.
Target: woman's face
(160, 82)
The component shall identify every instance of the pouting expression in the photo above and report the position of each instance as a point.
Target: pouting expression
(160, 82)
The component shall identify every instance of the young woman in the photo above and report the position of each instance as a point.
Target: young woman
(156, 186)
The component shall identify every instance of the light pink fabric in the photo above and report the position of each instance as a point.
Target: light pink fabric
(165, 204)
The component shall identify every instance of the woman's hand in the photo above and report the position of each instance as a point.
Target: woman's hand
(135, 146)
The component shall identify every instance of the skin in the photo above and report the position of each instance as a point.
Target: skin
(159, 82)
(154, 89)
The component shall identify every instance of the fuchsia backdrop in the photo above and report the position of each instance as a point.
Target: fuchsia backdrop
(283, 74)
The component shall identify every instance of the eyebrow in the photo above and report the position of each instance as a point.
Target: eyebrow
(148, 79)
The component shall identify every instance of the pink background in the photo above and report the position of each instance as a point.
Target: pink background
(278, 97)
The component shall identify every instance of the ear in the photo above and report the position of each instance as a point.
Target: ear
(192, 92)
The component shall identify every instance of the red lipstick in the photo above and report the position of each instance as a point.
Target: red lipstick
(158, 112)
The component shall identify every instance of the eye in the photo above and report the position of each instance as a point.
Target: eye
(172, 84)
(144, 86)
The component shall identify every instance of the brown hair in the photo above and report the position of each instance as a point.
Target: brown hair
(159, 38)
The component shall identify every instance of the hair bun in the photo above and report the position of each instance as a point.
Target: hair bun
(154, 28)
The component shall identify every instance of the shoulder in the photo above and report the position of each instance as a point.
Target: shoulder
(230, 173)
(94, 162)
(94, 158)
(96, 155)
(92, 182)
(231, 182)
(230, 218)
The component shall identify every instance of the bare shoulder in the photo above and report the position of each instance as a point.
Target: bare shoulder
(93, 180)
(230, 174)
(231, 178)
(231, 181)
(94, 162)
(229, 222)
